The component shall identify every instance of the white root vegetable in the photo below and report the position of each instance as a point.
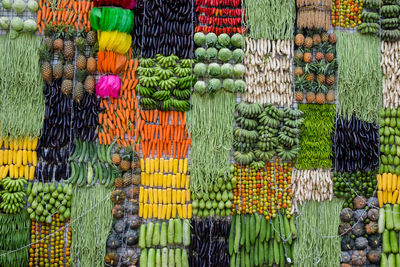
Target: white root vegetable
(268, 74)
(391, 74)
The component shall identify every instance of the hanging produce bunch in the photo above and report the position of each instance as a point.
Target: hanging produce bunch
(370, 18)
(12, 195)
(390, 11)
(388, 189)
(315, 67)
(314, 14)
(390, 91)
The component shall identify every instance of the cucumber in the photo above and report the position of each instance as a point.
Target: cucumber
(178, 232)
(164, 257)
(391, 260)
(151, 261)
(258, 223)
(252, 257)
(386, 242)
(163, 235)
(231, 235)
(156, 235)
(247, 258)
(275, 229)
(287, 250)
(158, 258)
(108, 153)
(237, 234)
(384, 260)
(232, 262)
(242, 257)
(77, 150)
(186, 232)
(397, 260)
(271, 252)
(89, 152)
(281, 228)
(256, 246)
(281, 255)
(286, 225)
(171, 258)
(149, 233)
(143, 257)
(99, 156)
(396, 217)
(185, 258)
(248, 234)
(394, 244)
(178, 257)
(260, 253)
(276, 252)
(83, 152)
(253, 229)
(268, 231)
(142, 236)
(242, 230)
(171, 232)
(388, 217)
(266, 252)
(263, 229)
(236, 259)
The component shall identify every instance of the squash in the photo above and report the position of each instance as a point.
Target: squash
(371, 228)
(372, 202)
(131, 237)
(113, 241)
(133, 192)
(347, 243)
(358, 258)
(346, 215)
(361, 242)
(345, 257)
(118, 211)
(375, 241)
(359, 229)
(374, 256)
(373, 214)
(129, 257)
(344, 228)
(133, 221)
(117, 196)
(132, 207)
(119, 226)
(359, 202)
(112, 258)
(360, 215)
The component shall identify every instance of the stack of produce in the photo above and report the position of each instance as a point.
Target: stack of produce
(268, 74)
(15, 234)
(50, 243)
(138, 12)
(12, 195)
(351, 19)
(315, 67)
(350, 185)
(388, 189)
(389, 227)
(46, 200)
(224, 57)
(355, 145)
(370, 18)
(219, 17)
(66, 13)
(209, 243)
(389, 139)
(360, 241)
(390, 11)
(18, 158)
(18, 9)
(314, 14)
(165, 244)
(164, 191)
(165, 83)
(390, 88)
(266, 192)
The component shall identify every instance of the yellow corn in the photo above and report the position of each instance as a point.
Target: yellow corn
(140, 209)
(161, 165)
(379, 180)
(31, 172)
(189, 211)
(155, 211)
(384, 181)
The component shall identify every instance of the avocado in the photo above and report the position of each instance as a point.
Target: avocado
(40, 187)
(398, 151)
(391, 139)
(53, 187)
(386, 122)
(393, 150)
(387, 149)
(60, 188)
(387, 112)
(384, 159)
(386, 132)
(396, 160)
(390, 159)
(382, 112)
(397, 140)
(393, 122)
(397, 170)
(29, 189)
(393, 113)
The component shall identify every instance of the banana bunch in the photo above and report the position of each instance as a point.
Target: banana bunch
(13, 185)
(145, 91)
(244, 135)
(162, 95)
(292, 113)
(187, 63)
(265, 119)
(168, 84)
(242, 146)
(166, 105)
(264, 129)
(163, 73)
(169, 61)
(257, 165)
(145, 71)
(149, 81)
(182, 72)
(147, 62)
(293, 132)
(12, 208)
(287, 140)
(180, 105)
(287, 154)
(293, 123)
(248, 110)
(268, 144)
(186, 82)
(148, 103)
(245, 123)
(243, 157)
(181, 94)
(264, 155)
(274, 112)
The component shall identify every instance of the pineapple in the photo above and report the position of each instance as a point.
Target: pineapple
(309, 71)
(91, 64)
(81, 58)
(58, 44)
(299, 39)
(319, 55)
(308, 42)
(300, 87)
(307, 56)
(119, 182)
(66, 87)
(90, 84)
(320, 96)
(58, 70)
(310, 97)
(69, 71)
(298, 71)
(330, 96)
(316, 39)
(298, 54)
(79, 92)
(46, 56)
(48, 40)
(321, 70)
(69, 49)
(299, 96)
(127, 178)
(324, 37)
(330, 53)
(330, 74)
(91, 38)
(125, 164)
(332, 38)
(116, 158)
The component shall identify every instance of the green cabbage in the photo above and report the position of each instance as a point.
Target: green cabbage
(211, 39)
(224, 54)
(200, 87)
(30, 25)
(4, 23)
(199, 38)
(214, 70)
(228, 85)
(212, 53)
(213, 86)
(17, 24)
(200, 53)
(19, 6)
(238, 70)
(238, 55)
(200, 69)
(7, 4)
(224, 40)
(236, 40)
(240, 86)
(33, 6)
(226, 70)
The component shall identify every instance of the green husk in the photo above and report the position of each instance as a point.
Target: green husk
(318, 243)
(90, 231)
(15, 234)
(211, 124)
(21, 86)
(270, 19)
(315, 139)
(359, 82)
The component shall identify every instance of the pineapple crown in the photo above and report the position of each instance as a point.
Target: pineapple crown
(45, 53)
(94, 49)
(81, 75)
(321, 67)
(59, 32)
(49, 30)
(331, 67)
(61, 58)
(69, 32)
(319, 87)
(330, 48)
(80, 45)
(311, 67)
(300, 83)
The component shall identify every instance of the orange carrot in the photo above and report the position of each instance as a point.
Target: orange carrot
(151, 116)
(39, 16)
(44, 11)
(75, 5)
(136, 65)
(40, 3)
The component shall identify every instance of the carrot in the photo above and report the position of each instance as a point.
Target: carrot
(40, 3)
(44, 11)
(75, 7)
(39, 16)
(133, 87)
(70, 4)
(151, 116)
(108, 139)
(169, 149)
(136, 65)
(125, 84)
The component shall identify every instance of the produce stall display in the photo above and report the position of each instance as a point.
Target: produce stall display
(190, 133)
